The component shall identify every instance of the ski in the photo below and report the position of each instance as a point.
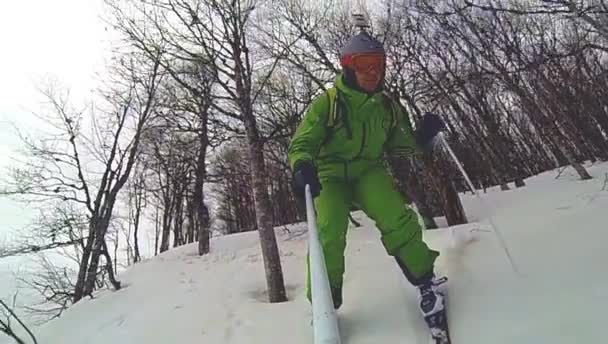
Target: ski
(437, 321)
(438, 326)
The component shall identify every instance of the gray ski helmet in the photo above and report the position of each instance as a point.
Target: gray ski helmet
(361, 43)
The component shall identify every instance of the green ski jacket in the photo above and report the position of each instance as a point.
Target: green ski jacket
(344, 131)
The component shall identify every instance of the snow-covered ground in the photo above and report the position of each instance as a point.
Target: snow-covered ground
(555, 229)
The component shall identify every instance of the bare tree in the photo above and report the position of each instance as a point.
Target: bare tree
(473, 67)
(591, 13)
(56, 286)
(216, 33)
(6, 324)
(234, 190)
(139, 102)
(56, 169)
(236, 77)
(189, 110)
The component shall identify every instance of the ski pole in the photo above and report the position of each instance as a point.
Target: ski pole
(325, 321)
(481, 201)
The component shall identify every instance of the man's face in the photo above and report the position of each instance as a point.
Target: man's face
(369, 80)
(369, 70)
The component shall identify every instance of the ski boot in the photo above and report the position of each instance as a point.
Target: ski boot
(336, 296)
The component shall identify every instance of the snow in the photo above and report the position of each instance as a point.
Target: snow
(555, 230)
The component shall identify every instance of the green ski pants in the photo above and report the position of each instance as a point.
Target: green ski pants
(374, 192)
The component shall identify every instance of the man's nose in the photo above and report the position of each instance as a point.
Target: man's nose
(373, 71)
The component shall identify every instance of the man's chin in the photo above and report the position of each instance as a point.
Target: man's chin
(369, 87)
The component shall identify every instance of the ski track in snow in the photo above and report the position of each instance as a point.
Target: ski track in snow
(555, 230)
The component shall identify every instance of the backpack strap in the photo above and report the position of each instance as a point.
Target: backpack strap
(332, 110)
(336, 114)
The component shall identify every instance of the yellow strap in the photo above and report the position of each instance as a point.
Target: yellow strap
(333, 107)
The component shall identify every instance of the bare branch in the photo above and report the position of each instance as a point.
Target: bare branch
(5, 327)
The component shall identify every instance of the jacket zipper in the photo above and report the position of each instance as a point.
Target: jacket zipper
(349, 130)
(364, 130)
(362, 143)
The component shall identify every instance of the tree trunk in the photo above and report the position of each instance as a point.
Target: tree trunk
(261, 200)
(270, 250)
(178, 218)
(115, 253)
(166, 232)
(198, 198)
(156, 231)
(191, 222)
(98, 245)
(449, 199)
(89, 285)
(454, 212)
(137, 257)
(582, 172)
(204, 234)
(84, 263)
(166, 229)
(115, 283)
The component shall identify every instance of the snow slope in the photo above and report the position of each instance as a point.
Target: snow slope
(555, 229)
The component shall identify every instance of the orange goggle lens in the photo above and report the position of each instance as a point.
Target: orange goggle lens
(367, 62)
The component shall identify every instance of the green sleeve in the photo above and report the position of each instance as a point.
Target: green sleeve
(401, 140)
(309, 135)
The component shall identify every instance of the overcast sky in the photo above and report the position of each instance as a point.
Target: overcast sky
(62, 39)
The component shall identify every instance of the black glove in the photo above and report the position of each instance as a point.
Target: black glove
(304, 173)
(430, 126)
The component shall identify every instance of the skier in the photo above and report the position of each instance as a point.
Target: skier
(338, 150)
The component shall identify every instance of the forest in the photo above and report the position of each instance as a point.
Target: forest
(187, 137)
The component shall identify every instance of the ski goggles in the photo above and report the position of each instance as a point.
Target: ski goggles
(363, 63)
